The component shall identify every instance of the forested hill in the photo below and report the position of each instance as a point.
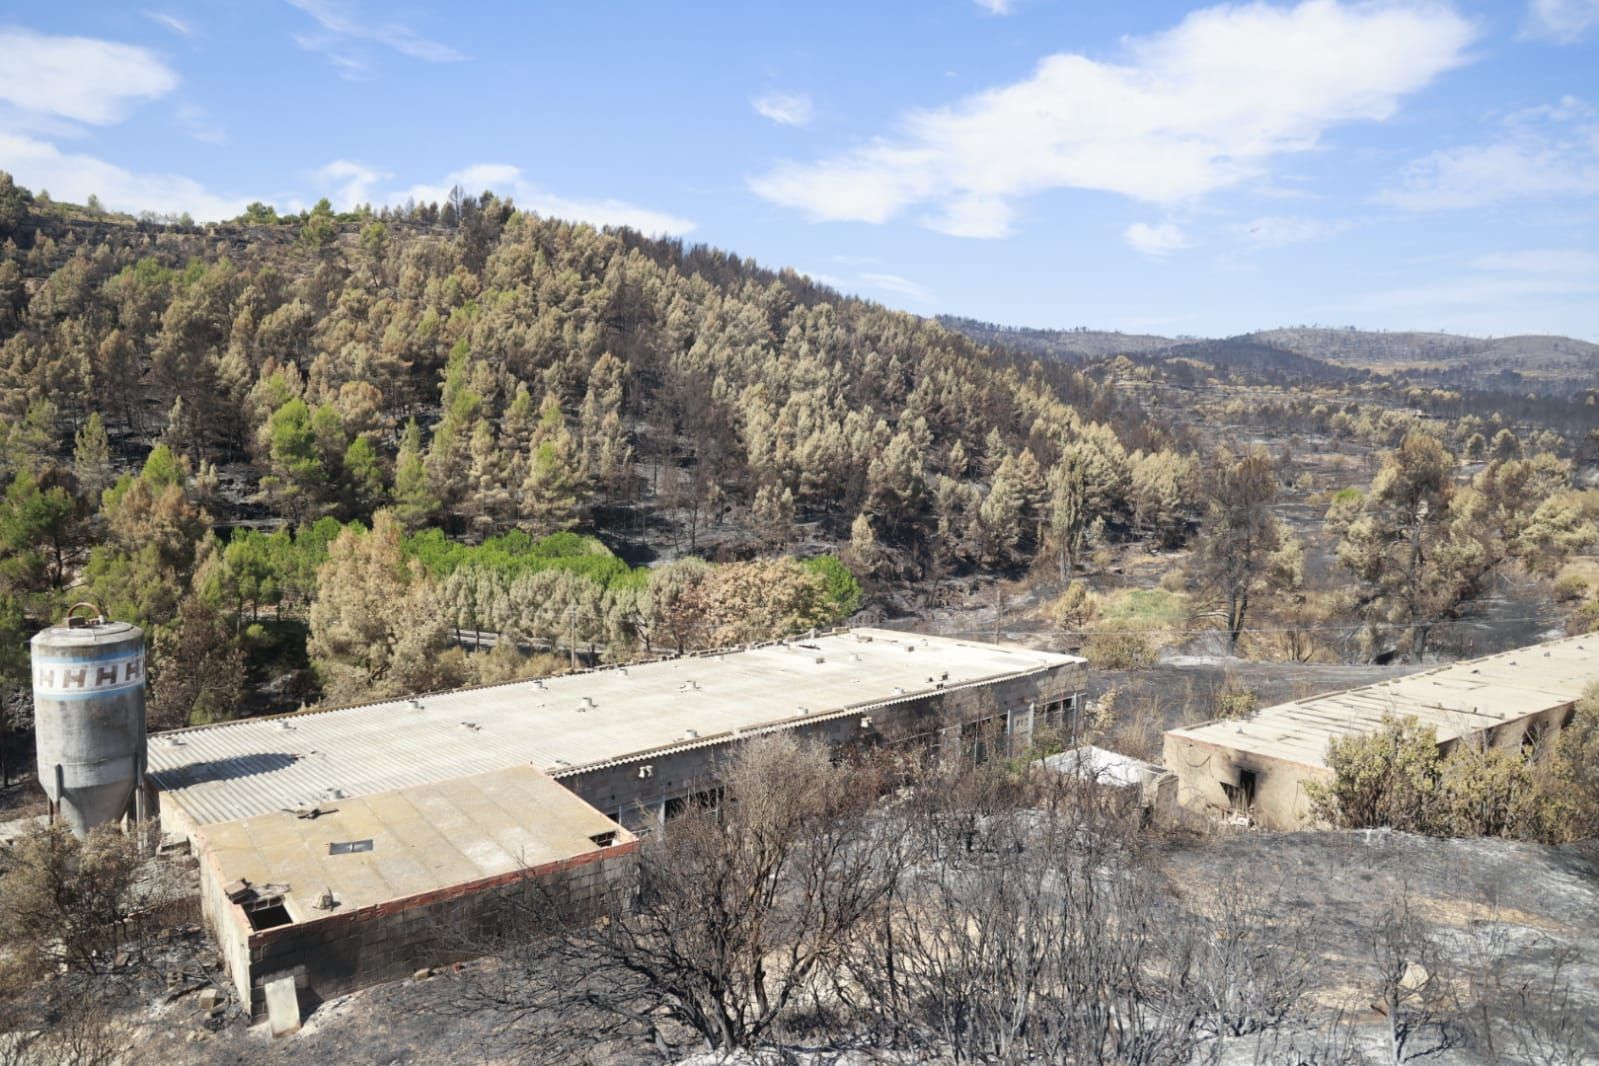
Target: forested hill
(1314, 351)
(477, 371)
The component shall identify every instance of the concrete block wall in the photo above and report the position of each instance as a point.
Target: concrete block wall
(635, 791)
(1281, 801)
(341, 952)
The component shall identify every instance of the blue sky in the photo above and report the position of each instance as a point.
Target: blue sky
(1148, 167)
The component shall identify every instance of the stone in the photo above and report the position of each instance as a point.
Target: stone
(423, 974)
(283, 1006)
(210, 997)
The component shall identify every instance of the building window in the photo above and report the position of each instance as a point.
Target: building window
(981, 738)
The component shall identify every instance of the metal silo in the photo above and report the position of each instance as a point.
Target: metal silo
(88, 707)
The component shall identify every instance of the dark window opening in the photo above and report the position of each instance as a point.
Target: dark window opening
(979, 739)
(268, 914)
(604, 840)
(1241, 797)
(677, 806)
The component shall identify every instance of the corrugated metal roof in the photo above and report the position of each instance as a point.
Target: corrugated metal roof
(562, 724)
(1456, 700)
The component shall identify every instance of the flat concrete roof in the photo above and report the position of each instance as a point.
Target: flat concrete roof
(561, 725)
(1456, 700)
(413, 841)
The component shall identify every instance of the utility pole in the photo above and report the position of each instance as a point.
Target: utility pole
(571, 633)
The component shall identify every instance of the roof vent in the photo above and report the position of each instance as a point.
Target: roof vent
(689, 686)
(538, 682)
(473, 726)
(820, 659)
(285, 726)
(691, 734)
(416, 705)
(586, 704)
(898, 691)
(804, 709)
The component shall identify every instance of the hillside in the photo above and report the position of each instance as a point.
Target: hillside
(1550, 361)
(200, 413)
(1057, 343)
(1535, 356)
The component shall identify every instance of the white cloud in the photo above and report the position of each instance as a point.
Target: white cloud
(1157, 241)
(197, 121)
(79, 78)
(171, 22)
(1201, 107)
(1538, 290)
(1540, 152)
(1561, 21)
(898, 286)
(1566, 261)
(342, 25)
(508, 180)
(1279, 231)
(74, 177)
(997, 7)
(785, 109)
(351, 183)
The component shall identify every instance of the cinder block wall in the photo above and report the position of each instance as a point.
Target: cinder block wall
(341, 952)
(1281, 802)
(634, 791)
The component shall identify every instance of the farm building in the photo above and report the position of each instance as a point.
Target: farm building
(1257, 767)
(334, 845)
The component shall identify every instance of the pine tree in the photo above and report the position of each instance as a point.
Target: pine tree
(91, 457)
(414, 501)
(549, 500)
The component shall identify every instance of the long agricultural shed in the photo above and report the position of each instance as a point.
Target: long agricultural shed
(1258, 766)
(334, 846)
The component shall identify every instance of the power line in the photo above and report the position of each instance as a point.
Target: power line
(1348, 628)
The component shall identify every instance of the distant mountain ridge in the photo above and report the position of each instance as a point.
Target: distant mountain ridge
(1538, 358)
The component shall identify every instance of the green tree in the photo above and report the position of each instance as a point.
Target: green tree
(1388, 777)
(842, 590)
(91, 457)
(41, 534)
(549, 500)
(319, 230)
(415, 503)
(377, 627)
(364, 483)
(299, 477)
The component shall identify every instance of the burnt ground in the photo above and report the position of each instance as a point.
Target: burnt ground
(1489, 907)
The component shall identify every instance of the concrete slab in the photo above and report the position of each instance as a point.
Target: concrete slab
(424, 838)
(283, 1005)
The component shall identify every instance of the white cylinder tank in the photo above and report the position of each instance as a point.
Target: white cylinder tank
(88, 708)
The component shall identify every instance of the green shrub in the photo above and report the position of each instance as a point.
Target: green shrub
(1119, 647)
(842, 590)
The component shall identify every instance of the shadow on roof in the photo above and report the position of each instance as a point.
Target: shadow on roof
(230, 769)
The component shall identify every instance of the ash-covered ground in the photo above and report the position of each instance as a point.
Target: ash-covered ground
(1496, 917)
